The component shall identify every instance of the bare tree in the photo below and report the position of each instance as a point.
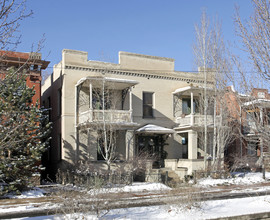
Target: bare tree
(202, 59)
(105, 100)
(212, 54)
(12, 12)
(255, 35)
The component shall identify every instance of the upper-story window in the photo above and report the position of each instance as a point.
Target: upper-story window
(100, 99)
(148, 104)
(59, 102)
(49, 106)
(186, 106)
(252, 148)
(261, 95)
(35, 67)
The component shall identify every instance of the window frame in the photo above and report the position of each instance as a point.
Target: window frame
(146, 105)
(59, 102)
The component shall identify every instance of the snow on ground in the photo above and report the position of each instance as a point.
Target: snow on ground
(26, 207)
(209, 209)
(138, 187)
(34, 193)
(135, 187)
(205, 210)
(239, 179)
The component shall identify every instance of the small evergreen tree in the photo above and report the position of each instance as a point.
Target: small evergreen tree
(24, 132)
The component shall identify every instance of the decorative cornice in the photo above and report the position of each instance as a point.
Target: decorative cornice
(136, 74)
(146, 56)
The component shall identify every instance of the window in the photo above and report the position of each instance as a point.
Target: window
(252, 117)
(261, 95)
(148, 105)
(97, 99)
(102, 148)
(186, 106)
(35, 67)
(59, 137)
(59, 102)
(252, 148)
(49, 107)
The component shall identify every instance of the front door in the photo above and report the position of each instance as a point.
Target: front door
(153, 147)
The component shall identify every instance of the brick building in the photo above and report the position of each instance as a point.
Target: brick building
(29, 63)
(251, 113)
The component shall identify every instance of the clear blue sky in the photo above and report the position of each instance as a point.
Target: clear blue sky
(104, 27)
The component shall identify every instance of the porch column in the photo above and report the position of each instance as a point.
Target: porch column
(192, 110)
(130, 144)
(130, 104)
(130, 99)
(91, 96)
(261, 139)
(261, 116)
(76, 123)
(192, 145)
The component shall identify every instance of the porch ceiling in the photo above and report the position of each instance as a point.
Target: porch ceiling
(188, 89)
(113, 83)
(184, 129)
(264, 103)
(154, 129)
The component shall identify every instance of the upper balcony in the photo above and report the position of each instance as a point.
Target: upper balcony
(189, 107)
(107, 116)
(195, 120)
(256, 114)
(104, 100)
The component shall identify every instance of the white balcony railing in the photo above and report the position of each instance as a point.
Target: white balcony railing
(110, 116)
(196, 120)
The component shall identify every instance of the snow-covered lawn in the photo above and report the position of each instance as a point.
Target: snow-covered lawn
(34, 193)
(208, 209)
(135, 187)
(239, 179)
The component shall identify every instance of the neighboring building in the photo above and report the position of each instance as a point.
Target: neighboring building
(150, 106)
(29, 63)
(252, 111)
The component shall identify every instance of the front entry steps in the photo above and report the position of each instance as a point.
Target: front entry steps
(178, 174)
(166, 175)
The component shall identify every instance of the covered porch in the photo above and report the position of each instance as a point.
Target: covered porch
(104, 115)
(192, 153)
(150, 142)
(189, 107)
(104, 99)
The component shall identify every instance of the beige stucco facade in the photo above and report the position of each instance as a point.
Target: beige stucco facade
(77, 115)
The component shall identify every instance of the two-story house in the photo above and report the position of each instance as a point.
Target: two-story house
(252, 112)
(140, 104)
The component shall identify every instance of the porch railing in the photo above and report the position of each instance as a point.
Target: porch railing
(110, 116)
(196, 120)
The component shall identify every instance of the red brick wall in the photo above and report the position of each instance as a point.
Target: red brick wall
(37, 84)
